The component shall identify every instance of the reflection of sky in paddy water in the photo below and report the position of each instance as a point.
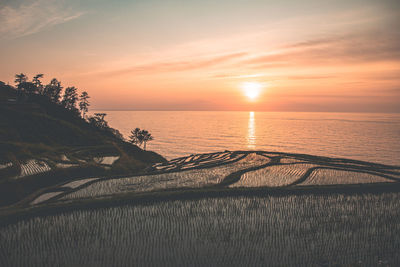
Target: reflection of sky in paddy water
(363, 136)
(251, 134)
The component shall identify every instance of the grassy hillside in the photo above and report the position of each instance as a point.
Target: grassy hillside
(34, 128)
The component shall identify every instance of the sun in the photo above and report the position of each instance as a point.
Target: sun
(252, 89)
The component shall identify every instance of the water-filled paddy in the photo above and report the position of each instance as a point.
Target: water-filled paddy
(304, 230)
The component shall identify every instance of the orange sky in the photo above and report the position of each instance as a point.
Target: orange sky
(195, 55)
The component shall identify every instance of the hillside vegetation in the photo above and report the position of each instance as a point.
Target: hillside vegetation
(36, 131)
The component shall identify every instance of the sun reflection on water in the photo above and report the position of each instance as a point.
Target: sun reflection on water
(251, 132)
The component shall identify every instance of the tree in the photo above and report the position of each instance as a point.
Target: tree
(146, 138)
(53, 90)
(136, 137)
(84, 103)
(70, 98)
(99, 121)
(20, 79)
(140, 137)
(38, 83)
(28, 87)
(21, 84)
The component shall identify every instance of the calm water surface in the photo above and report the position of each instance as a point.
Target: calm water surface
(369, 137)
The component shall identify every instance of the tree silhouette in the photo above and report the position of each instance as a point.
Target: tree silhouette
(136, 137)
(28, 87)
(99, 121)
(38, 83)
(147, 137)
(22, 84)
(139, 137)
(70, 98)
(84, 103)
(20, 79)
(53, 90)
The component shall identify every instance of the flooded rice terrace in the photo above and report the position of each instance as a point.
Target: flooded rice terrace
(305, 230)
(216, 209)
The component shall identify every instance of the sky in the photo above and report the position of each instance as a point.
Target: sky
(303, 55)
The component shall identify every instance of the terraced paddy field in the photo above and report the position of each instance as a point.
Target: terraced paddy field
(251, 208)
(239, 169)
(306, 230)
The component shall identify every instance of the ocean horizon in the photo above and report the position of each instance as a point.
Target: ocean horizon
(370, 137)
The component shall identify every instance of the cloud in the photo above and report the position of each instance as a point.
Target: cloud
(233, 76)
(174, 66)
(311, 77)
(33, 16)
(357, 48)
(314, 42)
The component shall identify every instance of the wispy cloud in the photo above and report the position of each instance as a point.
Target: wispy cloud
(33, 16)
(173, 66)
(311, 77)
(360, 48)
(233, 76)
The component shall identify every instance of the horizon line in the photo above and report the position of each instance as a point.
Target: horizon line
(354, 112)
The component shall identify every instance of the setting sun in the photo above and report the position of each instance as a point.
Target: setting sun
(251, 89)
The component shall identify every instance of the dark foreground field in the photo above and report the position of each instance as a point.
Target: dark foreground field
(298, 230)
(241, 208)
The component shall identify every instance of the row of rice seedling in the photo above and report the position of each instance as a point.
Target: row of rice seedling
(213, 162)
(276, 175)
(32, 167)
(189, 178)
(196, 161)
(77, 183)
(221, 155)
(334, 176)
(189, 165)
(286, 160)
(305, 230)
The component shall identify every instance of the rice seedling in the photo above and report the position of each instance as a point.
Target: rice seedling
(286, 160)
(269, 155)
(297, 230)
(276, 175)
(189, 178)
(333, 176)
(33, 166)
(77, 183)
(201, 160)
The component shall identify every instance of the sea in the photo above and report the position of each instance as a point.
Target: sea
(369, 137)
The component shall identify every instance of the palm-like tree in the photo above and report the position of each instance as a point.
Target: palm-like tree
(140, 137)
(147, 137)
(135, 137)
